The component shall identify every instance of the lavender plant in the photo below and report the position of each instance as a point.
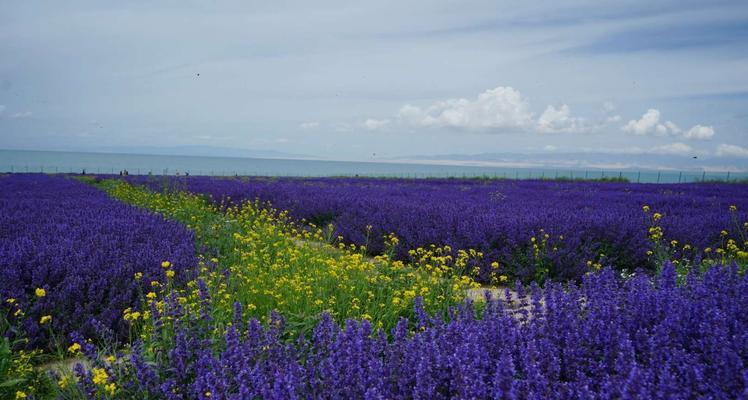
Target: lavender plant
(606, 338)
(578, 224)
(69, 254)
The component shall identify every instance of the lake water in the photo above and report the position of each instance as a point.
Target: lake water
(107, 163)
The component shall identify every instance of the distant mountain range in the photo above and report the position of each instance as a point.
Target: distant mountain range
(586, 160)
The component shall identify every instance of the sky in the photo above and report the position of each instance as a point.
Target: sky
(381, 79)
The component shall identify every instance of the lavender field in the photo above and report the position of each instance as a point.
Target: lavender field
(184, 288)
(533, 229)
(69, 251)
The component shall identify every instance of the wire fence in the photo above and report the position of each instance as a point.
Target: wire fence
(422, 172)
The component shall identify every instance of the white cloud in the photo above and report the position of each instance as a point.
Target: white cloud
(25, 114)
(731, 150)
(608, 106)
(611, 119)
(309, 125)
(342, 127)
(674, 148)
(499, 109)
(560, 120)
(699, 132)
(374, 124)
(649, 124)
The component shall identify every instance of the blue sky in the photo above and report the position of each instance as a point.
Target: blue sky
(347, 80)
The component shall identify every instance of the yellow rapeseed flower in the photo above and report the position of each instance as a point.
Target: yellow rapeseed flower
(110, 388)
(170, 274)
(39, 292)
(165, 264)
(63, 382)
(733, 208)
(74, 348)
(99, 376)
(20, 395)
(138, 276)
(151, 295)
(645, 208)
(45, 319)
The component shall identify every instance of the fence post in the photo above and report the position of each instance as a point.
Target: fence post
(680, 175)
(620, 175)
(638, 177)
(728, 176)
(658, 176)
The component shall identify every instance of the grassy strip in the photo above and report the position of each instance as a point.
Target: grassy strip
(257, 257)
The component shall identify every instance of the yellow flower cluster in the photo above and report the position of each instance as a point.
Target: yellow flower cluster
(274, 264)
(99, 376)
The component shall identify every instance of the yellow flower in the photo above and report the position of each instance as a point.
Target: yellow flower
(63, 382)
(503, 278)
(723, 233)
(645, 208)
(10, 300)
(151, 295)
(74, 348)
(165, 264)
(110, 359)
(39, 292)
(733, 208)
(138, 276)
(170, 274)
(20, 395)
(110, 388)
(99, 376)
(208, 394)
(656, 216)
(494, 265)
(45, 319)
